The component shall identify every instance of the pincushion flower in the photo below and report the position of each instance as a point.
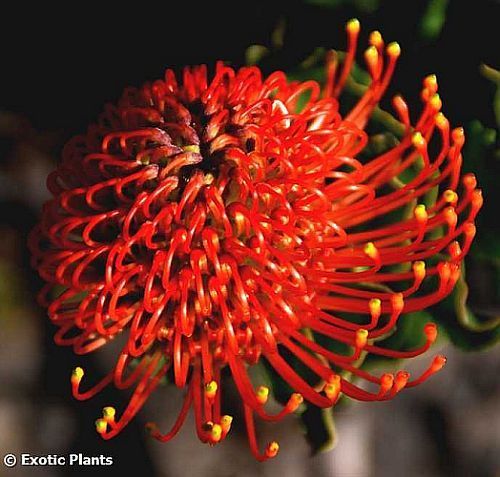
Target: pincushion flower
(219, 221)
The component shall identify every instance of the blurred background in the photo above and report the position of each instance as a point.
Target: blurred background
(59, 66)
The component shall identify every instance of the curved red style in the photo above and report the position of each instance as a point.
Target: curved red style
(222, 222)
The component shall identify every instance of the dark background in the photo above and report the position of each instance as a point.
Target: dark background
(60, 65)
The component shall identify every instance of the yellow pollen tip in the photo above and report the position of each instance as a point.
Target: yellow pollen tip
(262, 394)
(441, 121)
(470, 181)
(386, 380)
(450, 196)
(420, 212)
(376, 39)
(332, 387)
(470, 229)
(192, 148)
(370, 250)
(272, 449)
(295, 401)
(208, 179)
(458, 136)
(402, 378)
(450, 216)
(393, 49)
(331, 391)
(419, 269)
(371, 54)
(477, 198)
(211, 389)
(418, 140)
(431, 82)
(397, 301)
(361, 338)
(298, 398)
(444, 271)
(375, 306)
(353, 26)
(101, 426)
(436, 102)
(109, 413)
(77, 374)
(216, 433)
(225, 422)
(454, 249)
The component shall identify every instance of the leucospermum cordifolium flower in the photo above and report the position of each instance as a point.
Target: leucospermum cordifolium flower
(220, 221)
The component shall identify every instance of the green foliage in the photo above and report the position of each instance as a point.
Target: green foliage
(433, 20)
(319, 428)
(467, 330)
(255, 53)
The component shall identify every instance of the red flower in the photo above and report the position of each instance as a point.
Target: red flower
(219, 223)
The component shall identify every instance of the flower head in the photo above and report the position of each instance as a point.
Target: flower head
(221, 222)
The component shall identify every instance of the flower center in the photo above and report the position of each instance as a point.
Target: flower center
(204, 130)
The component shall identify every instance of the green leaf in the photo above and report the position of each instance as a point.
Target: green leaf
(433, 19)
(494, 76)
(459, 335)
(319, 428)
(467, 329)
(255, 53)
(278, 34)
(465, 316)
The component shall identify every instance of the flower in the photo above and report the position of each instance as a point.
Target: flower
(220, 223)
